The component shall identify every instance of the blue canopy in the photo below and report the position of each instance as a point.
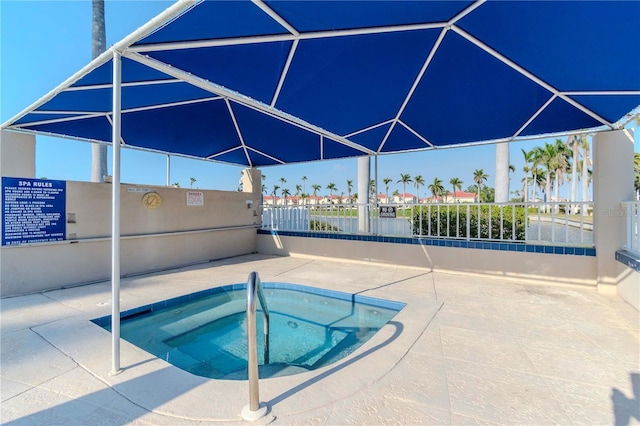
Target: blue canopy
(266, 82)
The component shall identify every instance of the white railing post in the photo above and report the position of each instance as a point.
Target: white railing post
(468, 222)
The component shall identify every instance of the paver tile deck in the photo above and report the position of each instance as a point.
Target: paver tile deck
(465, 350)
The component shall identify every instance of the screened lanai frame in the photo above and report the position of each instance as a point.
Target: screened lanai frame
(325, 136)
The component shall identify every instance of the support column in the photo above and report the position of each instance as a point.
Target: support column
(115, 219)
(502, 172)
(252, 182)
(364, 178)
(612, 183)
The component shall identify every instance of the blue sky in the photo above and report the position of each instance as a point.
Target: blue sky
(45, 42)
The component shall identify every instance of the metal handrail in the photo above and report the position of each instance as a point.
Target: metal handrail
(254, 287)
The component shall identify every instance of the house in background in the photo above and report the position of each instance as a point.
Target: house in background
(270, 200)
(383, 199)
(460, 197)
(313, 199)
(405, 198)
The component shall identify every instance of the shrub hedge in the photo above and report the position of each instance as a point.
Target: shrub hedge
(453, 222)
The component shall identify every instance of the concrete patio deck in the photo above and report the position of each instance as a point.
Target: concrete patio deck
(465, 350)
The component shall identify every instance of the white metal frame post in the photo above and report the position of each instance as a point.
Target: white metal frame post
(115, 219)
(364, 180)
(168, 170)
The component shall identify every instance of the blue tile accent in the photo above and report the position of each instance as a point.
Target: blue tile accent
(442, 242)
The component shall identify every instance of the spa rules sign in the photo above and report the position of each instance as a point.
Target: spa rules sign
(33, 211)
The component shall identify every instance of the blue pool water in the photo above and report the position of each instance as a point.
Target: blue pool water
(205, 333)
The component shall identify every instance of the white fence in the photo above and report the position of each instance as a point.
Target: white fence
(541, 222)
(633, 237)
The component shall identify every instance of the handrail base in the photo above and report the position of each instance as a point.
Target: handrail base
(252, 416)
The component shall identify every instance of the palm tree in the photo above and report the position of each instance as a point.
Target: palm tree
(285, 192)
(304, 184)
(547, 160)
(418, 181)
(264, 189)
(331, 187)
(349, 188)
(275, 190)
(298, 191)
(404, 179)
(539, 179)
(528, 158)
(436, 188)
(98, 45)
(387, 181)
(316, 188)
(193, 180)
(479, 176)
(536, 160)
(560, 163)
(586, 163)
(455, 184)
(574, 143)
(372, 190)
(396, 193)
(283, 181)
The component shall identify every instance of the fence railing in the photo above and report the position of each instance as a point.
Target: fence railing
(633, 237)
(539, 222)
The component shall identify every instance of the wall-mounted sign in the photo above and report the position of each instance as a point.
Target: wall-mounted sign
(195, 198)
(151, 200)
(33, 211)
(388, 212)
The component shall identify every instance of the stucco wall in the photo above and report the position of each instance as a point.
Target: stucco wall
(629, 287)
(17, 154)
(153, 239)
(612, 183)
(535, 267)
